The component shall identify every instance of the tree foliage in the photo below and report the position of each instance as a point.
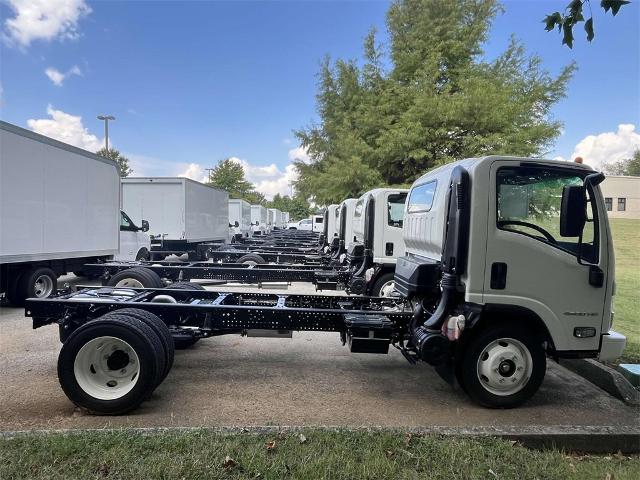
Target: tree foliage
(628, 166)
(123, 162)
(426, 99)
(298, 207)
(574, 14)
(228, 175)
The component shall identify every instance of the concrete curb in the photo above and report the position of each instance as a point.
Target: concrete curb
(606, 378)
(585, 439)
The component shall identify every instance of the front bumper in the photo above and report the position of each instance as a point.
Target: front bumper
(613, 344)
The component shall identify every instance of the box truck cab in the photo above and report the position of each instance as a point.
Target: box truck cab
(377, 241)
(135, 243)
(239, 218)
(331, 222)
(508, 260)
(259, 220)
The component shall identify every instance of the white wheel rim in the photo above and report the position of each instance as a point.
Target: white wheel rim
(388, 289)
(129, 282)
(251, 263)
(504, 366)
(106, 368)
(43, 286)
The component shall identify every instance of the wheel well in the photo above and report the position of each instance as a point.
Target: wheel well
(493, 314)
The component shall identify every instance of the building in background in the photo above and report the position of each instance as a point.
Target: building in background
(622, 196)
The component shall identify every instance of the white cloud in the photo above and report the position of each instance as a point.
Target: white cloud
(299, 153)
(608, 147)
(195, 172)
(44, 20)
(66, 128)
(58, 78)
(267, 179)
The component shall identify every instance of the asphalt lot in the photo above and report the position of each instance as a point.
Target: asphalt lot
(308, 380)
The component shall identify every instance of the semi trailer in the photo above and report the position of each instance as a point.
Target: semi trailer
(508, 261)
(59, 209)
(185, 216)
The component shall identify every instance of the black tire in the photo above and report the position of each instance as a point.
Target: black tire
(160, 329)
(12, 290)
(186, 286)
(142, 340)
(468, 365)
(143, 255)
(251, 258)
(146, 277)
(382, 279)
(26, 284)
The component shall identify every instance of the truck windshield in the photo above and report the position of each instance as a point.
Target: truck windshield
(395, 209)
(529, 201)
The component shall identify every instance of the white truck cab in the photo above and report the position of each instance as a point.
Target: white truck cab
(317, 223)
(135, 243)
(331, 222)
(376, 240)
(508, 260)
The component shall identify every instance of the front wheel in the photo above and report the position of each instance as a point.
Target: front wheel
(384, 286)
(502, 367)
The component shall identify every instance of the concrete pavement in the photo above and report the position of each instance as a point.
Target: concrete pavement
(308, 380)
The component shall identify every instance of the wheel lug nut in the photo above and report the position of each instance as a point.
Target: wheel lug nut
(519, 369)
(124, 370)
(502, 380)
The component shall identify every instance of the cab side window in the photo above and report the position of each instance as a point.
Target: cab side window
(395, 209)
(126, 225)
(528, 203)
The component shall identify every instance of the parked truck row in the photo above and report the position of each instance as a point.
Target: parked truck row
(501, 262)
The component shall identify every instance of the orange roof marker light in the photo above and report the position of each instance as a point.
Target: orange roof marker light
(578, 159)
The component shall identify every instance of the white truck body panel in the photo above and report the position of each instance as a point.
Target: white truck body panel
(177, 208)
(240, 211)
(259, 216)
(350, 204)
(333, 217)
(541, 278)
(317, 223)
(277, 218)
(56, 201)
(386, 230)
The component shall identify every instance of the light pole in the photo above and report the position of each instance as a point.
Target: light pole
(106, 119)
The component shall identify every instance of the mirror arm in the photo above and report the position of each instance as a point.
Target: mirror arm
(589, 182)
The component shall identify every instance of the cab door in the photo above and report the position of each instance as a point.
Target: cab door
(530, 265)
(128, 239)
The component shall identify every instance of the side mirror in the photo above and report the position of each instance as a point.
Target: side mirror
(145, 226)
(572, 211)
(236, 224)
(230, 226)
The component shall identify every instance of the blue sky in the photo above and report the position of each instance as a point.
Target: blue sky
(193, 82)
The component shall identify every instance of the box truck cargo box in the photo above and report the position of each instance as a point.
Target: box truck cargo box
(59, 208)
(240, 213)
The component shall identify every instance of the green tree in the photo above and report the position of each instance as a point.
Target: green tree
(437, 101)
(574, 14)
(228, 175)
(121, 160)
(628, 166)
(297, 206)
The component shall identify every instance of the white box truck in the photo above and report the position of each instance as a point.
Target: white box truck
(259, 220)
(277, 219)
(239, 218)
(185, 216)
(59, 209)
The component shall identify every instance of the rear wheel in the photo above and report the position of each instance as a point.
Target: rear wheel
(35, 282)
(138, 277)
(503, 366)
(186, 286)
(251, 259)
(110, 365)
